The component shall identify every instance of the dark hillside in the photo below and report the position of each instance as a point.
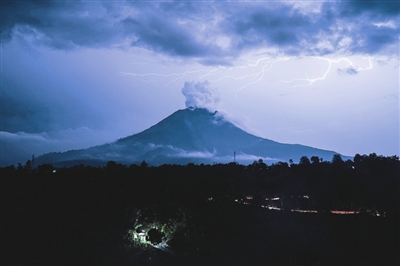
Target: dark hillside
(203, 214)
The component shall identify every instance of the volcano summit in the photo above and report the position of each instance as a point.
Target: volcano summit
(190, 135)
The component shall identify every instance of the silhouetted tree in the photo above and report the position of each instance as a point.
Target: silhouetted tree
(304, 160)
(314, 159)
(111, 165)
(20, 167)
(28, 166)
(33, 161)
(45, 168)
(337, 159)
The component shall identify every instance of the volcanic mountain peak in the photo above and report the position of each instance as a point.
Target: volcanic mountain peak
(190, 135)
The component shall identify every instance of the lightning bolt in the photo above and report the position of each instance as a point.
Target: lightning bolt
(177, 76)
(308, 81)
(243, 74)
(254, 77)
(218, 74)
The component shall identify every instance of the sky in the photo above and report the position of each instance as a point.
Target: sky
(75, 74)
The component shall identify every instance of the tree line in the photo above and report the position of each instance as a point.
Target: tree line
(367, 181)
(81, 214)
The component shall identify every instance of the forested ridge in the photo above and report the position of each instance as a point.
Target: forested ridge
(192, 214)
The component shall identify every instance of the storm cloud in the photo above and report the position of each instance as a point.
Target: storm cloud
(206, 30)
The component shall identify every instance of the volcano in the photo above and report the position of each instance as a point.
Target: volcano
(191, 135)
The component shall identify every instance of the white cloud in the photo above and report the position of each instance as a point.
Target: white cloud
(247, 157)
(201, 94)
(306, 7)
(388, 24)
(196, 154)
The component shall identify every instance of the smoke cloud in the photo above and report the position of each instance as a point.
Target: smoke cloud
(201, 94)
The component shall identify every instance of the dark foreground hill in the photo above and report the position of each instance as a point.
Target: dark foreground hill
(191, 135)
(93, 216)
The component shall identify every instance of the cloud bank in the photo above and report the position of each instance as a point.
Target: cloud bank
(20, 146)
(204, 31)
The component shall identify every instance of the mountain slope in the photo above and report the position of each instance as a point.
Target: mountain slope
(190, 135)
